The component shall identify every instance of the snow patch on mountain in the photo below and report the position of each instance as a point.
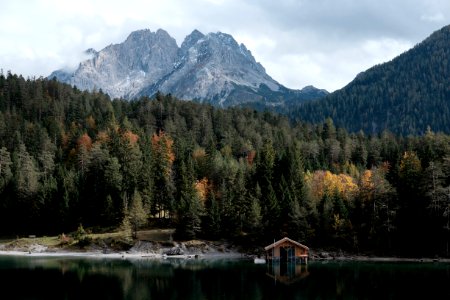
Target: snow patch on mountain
(210, 68)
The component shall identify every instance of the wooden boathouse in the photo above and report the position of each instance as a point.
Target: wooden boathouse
(287, 250)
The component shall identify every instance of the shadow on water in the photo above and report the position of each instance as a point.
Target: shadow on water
(95, 278)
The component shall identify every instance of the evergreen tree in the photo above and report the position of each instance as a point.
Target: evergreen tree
(189, 209)
(412, 202)
(163, 158)
(211, 221)
(271, 216)
(5, 168)
(136, 213)
(27, 176)
(254, 219)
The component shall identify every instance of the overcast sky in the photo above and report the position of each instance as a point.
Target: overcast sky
(324, 43)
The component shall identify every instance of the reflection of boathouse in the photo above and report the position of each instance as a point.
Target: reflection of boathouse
(287, 272)
(287, 250)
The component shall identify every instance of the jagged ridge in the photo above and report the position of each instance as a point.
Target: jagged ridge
(211, 68)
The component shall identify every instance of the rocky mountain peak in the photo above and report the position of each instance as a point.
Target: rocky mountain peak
(211, 67)
(90, 51)
(191, 39)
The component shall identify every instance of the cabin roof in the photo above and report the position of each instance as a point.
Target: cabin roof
(285, 239)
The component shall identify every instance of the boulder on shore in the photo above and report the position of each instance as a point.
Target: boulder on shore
(174, 251)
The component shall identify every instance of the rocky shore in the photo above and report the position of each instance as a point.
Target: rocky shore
(166, 249)
(115, 248)
(323, 255)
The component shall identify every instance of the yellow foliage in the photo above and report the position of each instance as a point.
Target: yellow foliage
(366, 180)
(410, 163)
(322, 183)
(366, 186)
(202, 187)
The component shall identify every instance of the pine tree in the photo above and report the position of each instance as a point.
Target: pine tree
(254, 219)
(211, 221)
(163, 158)
(5, 168)
(189, 209)
(271, 216)
(27, 176)
(136, 213)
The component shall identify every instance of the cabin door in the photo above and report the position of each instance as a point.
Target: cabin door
(287, 253)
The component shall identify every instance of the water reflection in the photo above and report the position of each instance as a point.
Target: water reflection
(76, 278)
(286, 272)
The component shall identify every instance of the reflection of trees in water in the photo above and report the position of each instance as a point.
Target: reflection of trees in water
(136, 277)
(141, 278)
(96, 278)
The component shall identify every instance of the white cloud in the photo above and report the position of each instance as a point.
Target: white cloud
(437, 17)
(325, 43)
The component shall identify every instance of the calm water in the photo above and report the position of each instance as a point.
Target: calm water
(94, 278)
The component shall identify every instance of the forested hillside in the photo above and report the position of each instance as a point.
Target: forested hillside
(406, 96)
(69, 157)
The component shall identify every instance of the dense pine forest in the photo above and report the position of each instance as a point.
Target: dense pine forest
(406, 95)
(69, 157)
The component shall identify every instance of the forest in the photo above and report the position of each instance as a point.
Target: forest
(70, 157)
(406, 95)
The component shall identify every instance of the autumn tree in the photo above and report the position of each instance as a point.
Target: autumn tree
(84, 145)
(163, 158)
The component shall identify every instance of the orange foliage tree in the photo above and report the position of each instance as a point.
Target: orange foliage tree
(130, 137)
(202, 187)
(162, 144)
(84, 141)
(84, 145)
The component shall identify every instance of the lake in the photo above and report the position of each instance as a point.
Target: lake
(32, 277)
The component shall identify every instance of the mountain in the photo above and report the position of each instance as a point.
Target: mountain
(210, 68)
(406, 95)
(124, 69)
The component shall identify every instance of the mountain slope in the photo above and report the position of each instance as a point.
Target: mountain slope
(122, 70)
(211, 68)
(405, 95)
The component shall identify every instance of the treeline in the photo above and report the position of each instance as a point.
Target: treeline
(69, 157)
(406, 95)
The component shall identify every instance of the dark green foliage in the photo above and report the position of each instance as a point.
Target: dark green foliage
(211, 221)
(69, 157)
(136, 213)
(406, 96)
(188, 206)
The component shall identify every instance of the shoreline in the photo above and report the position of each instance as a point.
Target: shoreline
(211, 256)
(157, 244)
(124, 255)
(387, 259)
